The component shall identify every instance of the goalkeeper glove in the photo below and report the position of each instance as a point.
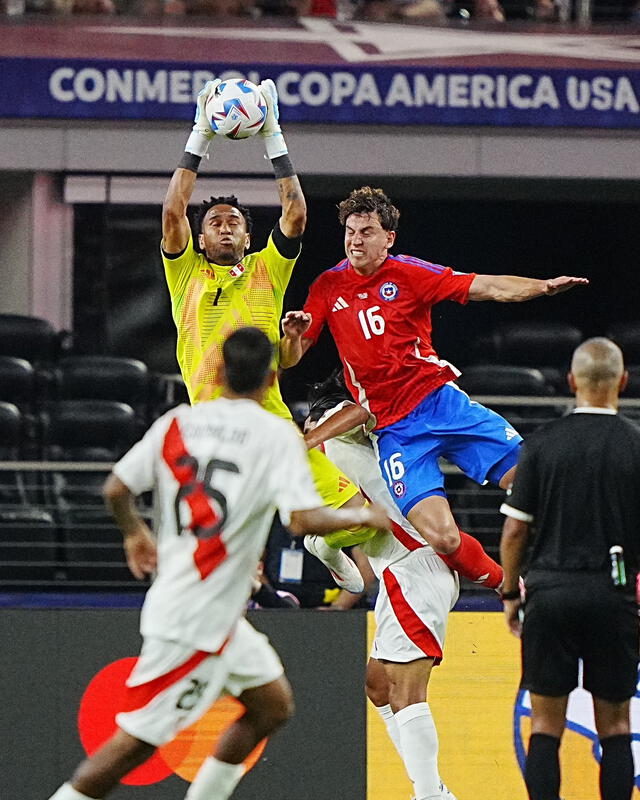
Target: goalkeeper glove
(202, 134)
(274, 142)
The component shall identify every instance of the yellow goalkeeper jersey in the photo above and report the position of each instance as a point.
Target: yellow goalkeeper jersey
(210, 301)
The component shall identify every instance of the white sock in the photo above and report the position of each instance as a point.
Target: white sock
(215, 780)
(67, 792)
(391, 725)
(419, 748)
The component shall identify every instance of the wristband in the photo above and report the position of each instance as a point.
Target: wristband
(513, 595)
(190, 161)
(282, 167)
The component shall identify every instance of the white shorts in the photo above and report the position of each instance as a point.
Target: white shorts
(415, 596)
(172, 685)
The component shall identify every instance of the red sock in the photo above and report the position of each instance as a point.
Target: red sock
(471, 561)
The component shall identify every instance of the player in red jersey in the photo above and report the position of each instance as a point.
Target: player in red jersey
(377, 307)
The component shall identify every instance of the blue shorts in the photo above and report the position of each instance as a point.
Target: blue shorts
(447, 423)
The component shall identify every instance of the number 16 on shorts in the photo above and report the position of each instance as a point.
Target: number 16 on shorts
(394, 471)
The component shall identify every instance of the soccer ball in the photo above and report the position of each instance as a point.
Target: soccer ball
(236, 109)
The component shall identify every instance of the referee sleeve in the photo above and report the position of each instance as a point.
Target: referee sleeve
(522, 498)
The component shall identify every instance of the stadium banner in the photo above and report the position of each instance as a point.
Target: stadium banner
(64, 674)
(115, 89)
(483, 722)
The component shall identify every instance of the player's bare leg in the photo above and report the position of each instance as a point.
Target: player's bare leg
(100, 774)
(268, 707)
(327, 549)
(417, 734)
(433, 520)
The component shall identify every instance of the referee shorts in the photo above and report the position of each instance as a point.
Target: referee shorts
(572, 616)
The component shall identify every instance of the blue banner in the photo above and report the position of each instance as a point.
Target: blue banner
(380, 95)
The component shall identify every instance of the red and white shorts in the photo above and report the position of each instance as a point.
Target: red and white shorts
(172, 685)
(415, 596)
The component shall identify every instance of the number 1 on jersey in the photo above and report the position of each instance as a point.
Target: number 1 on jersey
(370, 322)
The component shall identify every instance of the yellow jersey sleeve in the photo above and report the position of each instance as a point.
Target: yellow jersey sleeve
(179, 270)
(278, 266)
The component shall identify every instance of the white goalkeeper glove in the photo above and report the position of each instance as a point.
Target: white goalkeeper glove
(274, 142)
(202, 134)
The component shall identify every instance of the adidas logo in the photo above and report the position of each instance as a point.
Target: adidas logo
(340, 304)
(510, 433)
(343, 483)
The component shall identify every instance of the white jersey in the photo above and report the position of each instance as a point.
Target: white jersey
(221, 469)
(353, 454)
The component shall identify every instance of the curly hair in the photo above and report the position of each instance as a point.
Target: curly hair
(367, 200)
(231, 200)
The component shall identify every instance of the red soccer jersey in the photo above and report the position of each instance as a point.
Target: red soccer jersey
(381, 325)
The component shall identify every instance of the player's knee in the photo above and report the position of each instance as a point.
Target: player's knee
(282, 711)
(443, 538)
(377, 693)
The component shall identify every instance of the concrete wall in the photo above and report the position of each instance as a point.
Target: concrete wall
(50, 656)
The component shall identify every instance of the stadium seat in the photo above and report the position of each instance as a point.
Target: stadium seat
(504, 380)
(633, 386)
(103, 378)
(31, 338)
(627, 336)
(13, 485)
(17, 381)
(28, 547)
(88, 430)
(92, 547)
(538, 344)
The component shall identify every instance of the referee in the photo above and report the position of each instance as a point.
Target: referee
(578, 485)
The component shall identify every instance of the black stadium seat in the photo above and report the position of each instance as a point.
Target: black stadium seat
(103, 378)
(17, 381)
(538, 344)
(31, 338)
(88, 430)
(504, 380)
(627, 336)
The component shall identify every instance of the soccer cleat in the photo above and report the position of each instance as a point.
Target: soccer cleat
(446, 794)
(343, 570)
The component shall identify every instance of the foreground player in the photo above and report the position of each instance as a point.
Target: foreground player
(417, 591)
(220, 470)
(578, 482)
(378, 307)
(217, 287)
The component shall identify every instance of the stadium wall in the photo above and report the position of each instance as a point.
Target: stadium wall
(63, 660)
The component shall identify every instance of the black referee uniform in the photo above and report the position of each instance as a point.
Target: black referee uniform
(578, 485)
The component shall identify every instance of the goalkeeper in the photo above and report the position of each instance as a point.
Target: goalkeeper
(217, 286)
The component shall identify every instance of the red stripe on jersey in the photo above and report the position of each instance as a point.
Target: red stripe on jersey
(210, 552)
(410, 622)
(139, 696)
(404, 538)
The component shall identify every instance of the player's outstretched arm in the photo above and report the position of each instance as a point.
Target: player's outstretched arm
(139, 546)
(324, 519)
(348, 418)
(514, 289)
(175, 224)
(292, 346)
(294, 207)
